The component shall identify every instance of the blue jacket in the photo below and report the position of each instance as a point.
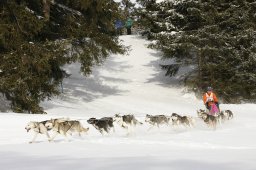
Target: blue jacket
(118, 24)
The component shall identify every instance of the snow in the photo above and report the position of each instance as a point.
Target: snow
(127, 84)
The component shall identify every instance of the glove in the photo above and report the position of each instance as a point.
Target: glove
(206, 105)
(217, 104)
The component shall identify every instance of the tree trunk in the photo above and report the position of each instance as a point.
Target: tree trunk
(46, 9)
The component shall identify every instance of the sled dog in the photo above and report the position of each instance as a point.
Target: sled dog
(221, 116)
(200, 113)
(65, 127)
(156, 120)
(210, 120)
(182, 120)
(126, 121)
(228, 114)
(38, 128)
(103, 124)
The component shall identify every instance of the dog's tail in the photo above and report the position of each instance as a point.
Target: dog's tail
(83, 129)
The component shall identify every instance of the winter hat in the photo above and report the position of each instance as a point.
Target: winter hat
(209, 88)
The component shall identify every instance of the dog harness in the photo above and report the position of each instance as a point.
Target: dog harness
(37, 125)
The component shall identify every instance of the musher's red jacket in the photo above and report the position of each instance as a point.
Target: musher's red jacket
(210, 98)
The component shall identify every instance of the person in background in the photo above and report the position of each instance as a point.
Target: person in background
(128, 26)
(209, 99)
(118, 26)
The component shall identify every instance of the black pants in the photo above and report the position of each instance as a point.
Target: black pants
(129, 31)
(118, 31)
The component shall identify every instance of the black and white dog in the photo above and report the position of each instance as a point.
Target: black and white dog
(103, 124)
(228, 114)
(126, 121)
(186, 121)
(156, 120)
(210, 120)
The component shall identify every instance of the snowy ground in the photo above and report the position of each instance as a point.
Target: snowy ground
(129, 84)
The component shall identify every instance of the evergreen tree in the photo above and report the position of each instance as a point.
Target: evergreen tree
(38, 37)
(217, 37)
(128, 8)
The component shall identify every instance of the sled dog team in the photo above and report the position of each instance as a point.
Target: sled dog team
(65, 126)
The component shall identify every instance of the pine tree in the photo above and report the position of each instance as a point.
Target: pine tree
(217, 37)
(37, 38)
(155, 17)
(128, 8)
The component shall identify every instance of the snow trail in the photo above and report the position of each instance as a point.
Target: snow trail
(132, 83)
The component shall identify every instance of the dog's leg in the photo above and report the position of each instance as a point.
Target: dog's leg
(133, 125)
(106, 129)
(64, 133)
(70, 133)
(220, 119)
(230, 116)
(48, 136)
(187, 124)
(34, 138)
(113, 129)
(67, 138)
(129, 129)
(55, 134)
(214, 125)
(101, 131)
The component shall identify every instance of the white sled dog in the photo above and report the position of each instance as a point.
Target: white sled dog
(65, 127)
(40, 128)
(126, 121)
(156, 120)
